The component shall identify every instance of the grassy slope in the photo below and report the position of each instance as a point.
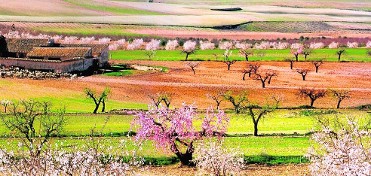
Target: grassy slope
(270, 55)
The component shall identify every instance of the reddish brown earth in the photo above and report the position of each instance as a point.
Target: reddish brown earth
(252, 170)
(212, 76)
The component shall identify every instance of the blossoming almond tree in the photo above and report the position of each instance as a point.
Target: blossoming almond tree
(174, 129)
(171, 45)
(340, 152)
(213, 158)
(189, 47)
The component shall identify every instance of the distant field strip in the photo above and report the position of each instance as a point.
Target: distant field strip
(111, 9)
(356, 55)
(88, 30)
(168, 20)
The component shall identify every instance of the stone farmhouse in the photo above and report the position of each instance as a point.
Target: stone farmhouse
(44, 54)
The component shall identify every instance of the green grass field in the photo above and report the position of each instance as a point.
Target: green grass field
(356, 55)
(266, 149)
(278, 122)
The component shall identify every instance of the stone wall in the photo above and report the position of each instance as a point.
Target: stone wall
(103, 58)
(56, 66)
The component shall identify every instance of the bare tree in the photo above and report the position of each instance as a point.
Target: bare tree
(216, 56)
(156, 99)
(317, 64)
(271, 73)
(267, 76)
(238, 101)
(166, 98)
(340, 95)
(306, 52)
(251, 69)
(150, 53)
(246, 52)
(303, 72)
(257, 113)
(98, 99)
(291, 62)
(35, 122)
(160, 97)
(340, 52)
(227, 60)
(296, 53)
(217, 96)
(5, 104)
(312, 94)
(193, 65)
(260, 53)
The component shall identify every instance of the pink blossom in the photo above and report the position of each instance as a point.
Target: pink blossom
(153, 45)
(368, 44)
(171, 45)
(189, 46)
(206, 45)
(225, 45)
(333, 45)
(352, 44)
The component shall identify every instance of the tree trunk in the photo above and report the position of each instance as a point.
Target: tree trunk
(312, 102)
(269, 80)
(243, 78)
(263, 83)
(96, 108)
(237, 109)
(187, 54)
(247, 57)
(218, 104)
(194, 72)
(316, 69)
(297, 57)
(305, 56)
(291, 65)
(339, 56)
(256, 129)
(229, 66)
(338, 105)
(103, 106)
(186, 158)
(303, 77)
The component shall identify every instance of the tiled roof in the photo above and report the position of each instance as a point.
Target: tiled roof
(24, 45)
(97, 49)
(64, 53)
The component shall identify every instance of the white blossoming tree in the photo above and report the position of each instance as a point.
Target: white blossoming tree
(214, 158)
(189, 47)
(340, 152)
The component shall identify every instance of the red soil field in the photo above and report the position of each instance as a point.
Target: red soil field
(212, 76)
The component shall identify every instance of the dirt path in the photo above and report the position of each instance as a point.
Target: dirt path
(252, 170)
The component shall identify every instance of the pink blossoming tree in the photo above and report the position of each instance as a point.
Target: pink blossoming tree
(174, 129)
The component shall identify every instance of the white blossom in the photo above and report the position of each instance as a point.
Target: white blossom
(171, 45)
(333, 45)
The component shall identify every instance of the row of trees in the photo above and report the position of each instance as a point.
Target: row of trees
(238, 101)
(155, 44)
